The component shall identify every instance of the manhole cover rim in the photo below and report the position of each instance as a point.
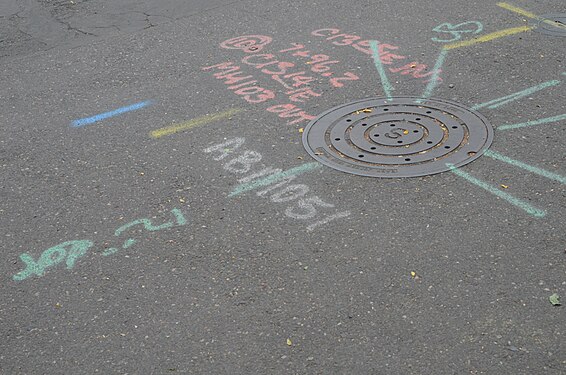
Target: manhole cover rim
(406, 170)
(541, 26)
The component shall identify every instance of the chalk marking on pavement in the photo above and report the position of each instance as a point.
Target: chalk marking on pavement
(528, 14)
(193, 123)
(70, 250)
(525, 166)
(495, 103)
(499, 193)
(433, 82)
(453, 30)
(387, 88)
(533, 122)
(489, 37)
(328, 219)
(274, 178)
(103, 116)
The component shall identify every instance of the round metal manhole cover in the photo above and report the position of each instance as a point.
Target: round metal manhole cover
(552, 24)
(398, 137)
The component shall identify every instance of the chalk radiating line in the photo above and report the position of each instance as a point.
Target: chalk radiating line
(517, 10)
(274, 178)
(495, 103)
(528, 14)
(387, 88)
(525, 166)
(105, 115)
(533, 122)
(192, 123)
(433, 82)
(489, 37)
(499, 193)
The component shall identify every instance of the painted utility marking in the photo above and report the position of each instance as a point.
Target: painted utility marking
(533, 122)
(193, 123)
(489, 37)
(495, 103)
(499, 193)
(456, 31)
(433, 82)
(129, 242)
(339, 215)
(517, 10)
(525, 166)
(528, 14)
(275, 184)
(273, 178)
(103, 116)
(70, 251)
(387, 88)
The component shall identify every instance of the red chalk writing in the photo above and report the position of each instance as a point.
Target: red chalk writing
(296, 79)
(386, 54)
(247, 43)
(321, 64)
(290, 111)
(231, 74)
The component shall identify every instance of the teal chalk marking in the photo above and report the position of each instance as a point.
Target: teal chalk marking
(52, 257)
(387, 88)
(32, 268)
(501, 194)
(274, 178)
(179, 216)
(71, 251)
(129, 242)
(109, 251)
(146, 224)
(453, 30)
(495, 103)
(530, 168)
(150, 227)
(78, 249)
(433, 82)
(533, 123)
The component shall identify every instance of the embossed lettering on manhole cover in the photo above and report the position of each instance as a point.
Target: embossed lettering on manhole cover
(552, 24)
(399, 137)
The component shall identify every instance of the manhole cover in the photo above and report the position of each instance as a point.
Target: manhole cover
(552, 24)
(399, 137)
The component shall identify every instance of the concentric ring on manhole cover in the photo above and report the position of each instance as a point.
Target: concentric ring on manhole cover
(398, 137)
(552, 24)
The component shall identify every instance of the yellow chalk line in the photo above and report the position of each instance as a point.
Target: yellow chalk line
(488, 37)
(528, 14)
(193, 123)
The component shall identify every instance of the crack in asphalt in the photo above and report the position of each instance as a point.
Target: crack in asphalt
(64, 13)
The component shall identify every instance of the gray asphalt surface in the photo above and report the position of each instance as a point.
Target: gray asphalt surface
(430, 275)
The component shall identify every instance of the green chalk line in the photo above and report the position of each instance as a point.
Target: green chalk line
(530, 168)
(501, 194)
(495, 103)
(533, 123)
(387, 87)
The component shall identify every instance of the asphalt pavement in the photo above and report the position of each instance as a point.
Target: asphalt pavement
(159, 213)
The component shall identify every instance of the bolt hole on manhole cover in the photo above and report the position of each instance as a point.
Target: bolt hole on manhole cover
(397, 137)
(551, 24)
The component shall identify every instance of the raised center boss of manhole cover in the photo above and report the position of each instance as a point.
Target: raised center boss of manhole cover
(398, 137)
(552, 24)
